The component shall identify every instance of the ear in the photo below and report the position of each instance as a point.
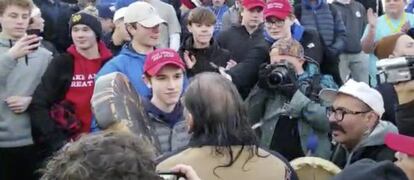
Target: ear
(189, 28)
(146, 80)
(372, 120)
(190, 122)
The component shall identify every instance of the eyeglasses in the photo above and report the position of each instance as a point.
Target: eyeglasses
(340, 113)
(277, 23)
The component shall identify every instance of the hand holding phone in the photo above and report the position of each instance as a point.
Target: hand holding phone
(34, 32)
(171, 175)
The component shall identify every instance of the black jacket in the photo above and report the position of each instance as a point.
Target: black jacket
(390, 101)
(212, 54)
(238, 41)
(405, 118)
(245, 74)
(55, 82)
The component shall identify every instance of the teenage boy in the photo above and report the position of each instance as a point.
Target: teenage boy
(199, 50)
(241, 38)
(142, 23)
(66, 88)
(22, 64)
(164, 75)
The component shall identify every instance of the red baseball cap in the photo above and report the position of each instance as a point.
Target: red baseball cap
(278, 8)
(400, 143)
(157, 59)
(250, 4)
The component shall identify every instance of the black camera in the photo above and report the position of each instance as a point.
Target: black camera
(395, 70)
(279, 74)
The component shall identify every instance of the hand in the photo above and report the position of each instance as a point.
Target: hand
(189, 172)
(230, 64)
(372, 18)
(405, 27)
(18, 104)
(405, 91)
(189, 60)
(24, 46)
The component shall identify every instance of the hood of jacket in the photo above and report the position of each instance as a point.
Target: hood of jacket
(128, 50)
(171, 118)
(105, 53)
(377, 135)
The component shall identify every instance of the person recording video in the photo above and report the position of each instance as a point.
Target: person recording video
(396, 68)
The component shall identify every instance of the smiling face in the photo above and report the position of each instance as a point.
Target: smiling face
(145, 36)
(15, 21)
(202, 33)
(167, 85)
(83, 37)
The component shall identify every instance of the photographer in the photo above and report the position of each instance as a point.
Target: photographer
(293, 121)
(399, 95)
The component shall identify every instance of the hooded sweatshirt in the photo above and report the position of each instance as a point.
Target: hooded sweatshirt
(18, 78)
(371, 146)
(130, 63)
(81, 88)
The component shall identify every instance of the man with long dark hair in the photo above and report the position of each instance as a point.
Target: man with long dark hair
(222, 137)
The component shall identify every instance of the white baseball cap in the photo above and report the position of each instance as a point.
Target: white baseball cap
(359, 90)
(142, 13)
(120, 13)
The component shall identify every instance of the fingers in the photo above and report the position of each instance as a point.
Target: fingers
(187, 170)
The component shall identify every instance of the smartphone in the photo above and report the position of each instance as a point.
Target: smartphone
(171, 176)
(36, 32)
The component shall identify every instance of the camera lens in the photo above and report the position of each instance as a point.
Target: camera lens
(275, 78)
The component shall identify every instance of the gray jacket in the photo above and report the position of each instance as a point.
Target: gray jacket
(355, 19)
(371, 146)
(18, 78)
(169, 139)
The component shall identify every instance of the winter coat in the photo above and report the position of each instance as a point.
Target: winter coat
(268, 106)
(169, 128)
(265, 165)
(52, 89)
(405, 118)
(207, 58)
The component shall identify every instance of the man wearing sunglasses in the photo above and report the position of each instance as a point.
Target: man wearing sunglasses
(357, 128)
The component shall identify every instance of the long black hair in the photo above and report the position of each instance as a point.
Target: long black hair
(220, 117)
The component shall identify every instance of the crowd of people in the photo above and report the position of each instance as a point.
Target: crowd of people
(206, 89)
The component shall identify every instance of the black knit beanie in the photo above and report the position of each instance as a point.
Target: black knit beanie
(89, 20)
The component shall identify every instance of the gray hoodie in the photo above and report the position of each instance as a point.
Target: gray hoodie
(374, 139)
(18, 78)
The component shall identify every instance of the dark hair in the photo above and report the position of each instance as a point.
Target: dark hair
(105, 155)
(219, 115)
(25, 4)
(201, 15)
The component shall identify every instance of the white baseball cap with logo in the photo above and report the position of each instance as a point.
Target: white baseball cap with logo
(142, 13)
(359, 90)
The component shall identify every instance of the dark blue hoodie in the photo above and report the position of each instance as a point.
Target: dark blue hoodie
(170, 118)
